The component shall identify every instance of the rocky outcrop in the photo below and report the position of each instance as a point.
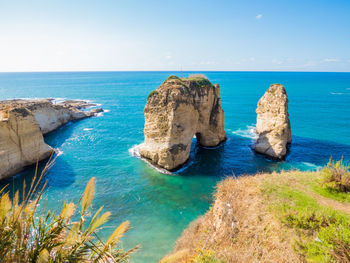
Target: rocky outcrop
(22, 125)
(273, 125)
(175, 112)
(241, 224)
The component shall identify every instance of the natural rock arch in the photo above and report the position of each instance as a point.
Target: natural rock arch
(175, 112)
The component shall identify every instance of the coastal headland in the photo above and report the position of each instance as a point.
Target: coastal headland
(23, 124)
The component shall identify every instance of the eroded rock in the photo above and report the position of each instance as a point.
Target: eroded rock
(179, 109)
(22, 125)
(272, 124)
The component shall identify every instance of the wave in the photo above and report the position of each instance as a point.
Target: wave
(100, 114)
(336, 93)
(88, 129)
(249, 132)
(58, 152)
(59, 100)
(184, 167)
(133, 151)
(312, 166)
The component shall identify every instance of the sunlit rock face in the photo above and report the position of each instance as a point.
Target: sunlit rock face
(179, 109)
(272, 124)
(22, 125)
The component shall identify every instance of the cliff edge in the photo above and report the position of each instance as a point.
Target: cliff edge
(22, 125)
(175, 112)
(278, 217)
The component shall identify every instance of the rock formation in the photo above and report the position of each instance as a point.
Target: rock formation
(22, 125)
(272, 124)
(179, 109)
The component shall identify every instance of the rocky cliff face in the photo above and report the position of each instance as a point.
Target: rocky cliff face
(273, 125)
(22, 125)
(179, 109)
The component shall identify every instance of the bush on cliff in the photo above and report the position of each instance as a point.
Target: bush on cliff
(278, 217)
(336, 175)
(26, 236)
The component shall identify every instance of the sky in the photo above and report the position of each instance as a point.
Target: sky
(242, 35)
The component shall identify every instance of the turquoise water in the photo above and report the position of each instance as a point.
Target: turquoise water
(160, 206)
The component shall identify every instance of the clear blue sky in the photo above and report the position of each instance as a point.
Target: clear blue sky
(61, 35)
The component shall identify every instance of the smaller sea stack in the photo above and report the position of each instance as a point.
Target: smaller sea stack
(175, 112)
(272, 123)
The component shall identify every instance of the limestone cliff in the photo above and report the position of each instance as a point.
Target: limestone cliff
(273, 125)
(179, 109)
(22, 125)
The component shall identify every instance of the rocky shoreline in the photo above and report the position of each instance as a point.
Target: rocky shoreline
(24, 122)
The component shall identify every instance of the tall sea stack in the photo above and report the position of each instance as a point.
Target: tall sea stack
(179, 109)
(272, 124)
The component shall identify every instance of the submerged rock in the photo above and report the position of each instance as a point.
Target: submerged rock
(272, 124)
(22, 125)
(179, 109)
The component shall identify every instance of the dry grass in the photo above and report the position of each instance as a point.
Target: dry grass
(238, 228)
(277, 217)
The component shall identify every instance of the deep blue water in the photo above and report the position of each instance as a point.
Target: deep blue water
(160, 206)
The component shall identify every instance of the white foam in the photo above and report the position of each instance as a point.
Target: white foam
(99, 114)
(183, 168)
(106, 110)
(58, 100)
(249, 132)
(59, 152)
(311, 165)
(88, 129)
(135, 152)
(337, 93)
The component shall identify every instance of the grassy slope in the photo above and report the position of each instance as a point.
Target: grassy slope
(286, 217)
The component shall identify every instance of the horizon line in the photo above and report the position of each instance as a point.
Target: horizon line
(185, 71)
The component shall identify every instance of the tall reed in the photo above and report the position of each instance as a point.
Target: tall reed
(27, 235)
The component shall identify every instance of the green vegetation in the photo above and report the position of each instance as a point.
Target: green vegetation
(197, 76)
(330, 192)
(153, 92)
(27, 236)
(199, 79)
(336, 175)
(321, 225)
(172, 77)
(206, 256)
(280, 217)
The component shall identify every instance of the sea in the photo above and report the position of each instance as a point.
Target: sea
(160, 206)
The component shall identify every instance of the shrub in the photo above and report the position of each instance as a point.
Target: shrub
(206, 256)
(332, 244)
(153, 92)
(26, 236)
(197, 76)
(336, 175)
